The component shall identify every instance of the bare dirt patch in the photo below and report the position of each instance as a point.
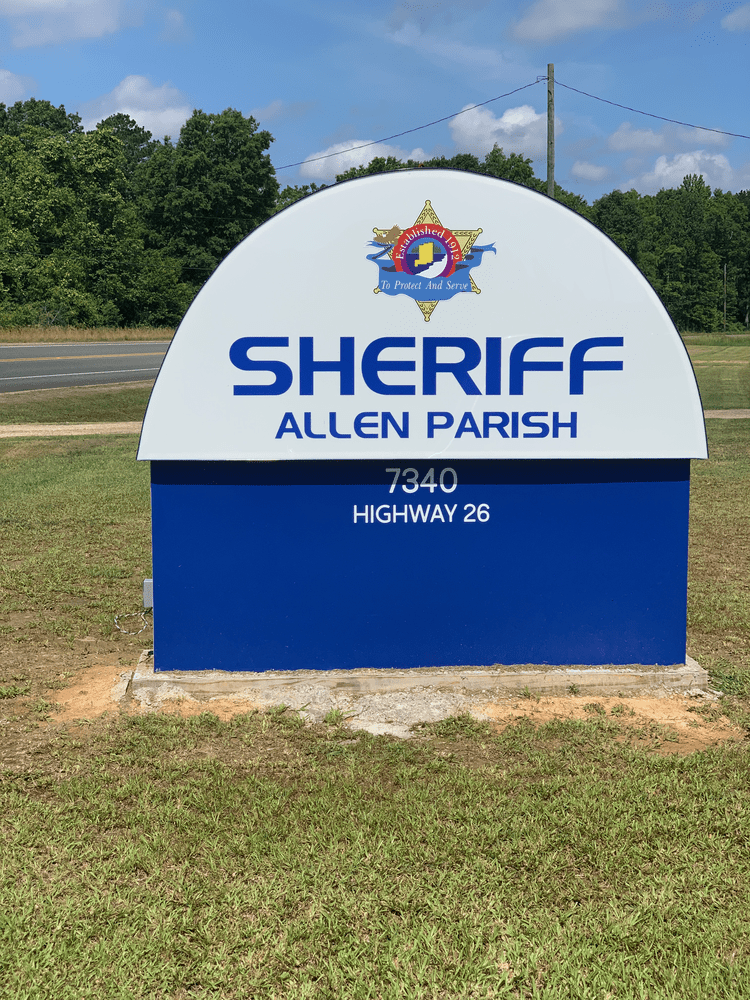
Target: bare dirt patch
(679, 724)
(38, 679)
(676, 724)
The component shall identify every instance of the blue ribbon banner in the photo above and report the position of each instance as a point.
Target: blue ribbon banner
(420, 287)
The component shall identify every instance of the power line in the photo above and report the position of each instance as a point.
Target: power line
(408, 131)
(648, 114)
(539, 79)
(325, 156)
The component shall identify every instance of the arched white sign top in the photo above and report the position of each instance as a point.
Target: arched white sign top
(425, 314)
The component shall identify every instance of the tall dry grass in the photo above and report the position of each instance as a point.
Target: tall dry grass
(77, 335)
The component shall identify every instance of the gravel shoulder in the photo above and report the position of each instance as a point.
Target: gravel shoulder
(69, 430)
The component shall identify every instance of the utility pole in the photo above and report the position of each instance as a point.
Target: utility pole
(551, 130)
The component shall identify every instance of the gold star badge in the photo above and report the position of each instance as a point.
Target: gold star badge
(465, 238)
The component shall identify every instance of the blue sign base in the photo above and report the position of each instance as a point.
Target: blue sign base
(341, 565)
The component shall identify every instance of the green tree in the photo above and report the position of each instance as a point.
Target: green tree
(681, 239)
(200, 196)
(686, 270)
(293, 193)
(378, 165)
(461, 161)
(14, 120)
(742, 257)
(71, 246)
(729, 237)
(136, 141)
(620, 215)
(514, 168)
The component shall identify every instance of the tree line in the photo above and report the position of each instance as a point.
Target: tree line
(111, 227)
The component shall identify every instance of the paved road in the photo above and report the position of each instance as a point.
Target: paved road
(56, 366)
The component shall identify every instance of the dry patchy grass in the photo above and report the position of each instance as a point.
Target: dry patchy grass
(81, 335)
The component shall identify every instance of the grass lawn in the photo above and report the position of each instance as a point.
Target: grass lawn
(719, 573)
(261, 858)
(92, 404)
(723, 374)
(160, 857)
(76, 538)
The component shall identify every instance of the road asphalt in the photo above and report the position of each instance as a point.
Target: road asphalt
(58, 366)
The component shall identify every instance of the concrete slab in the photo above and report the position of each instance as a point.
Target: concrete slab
(120, 687)
(389, 701)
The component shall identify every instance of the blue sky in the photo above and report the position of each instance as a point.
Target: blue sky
(327, 76)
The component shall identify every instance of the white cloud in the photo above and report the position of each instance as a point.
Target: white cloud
(175, 29)
(279, 110)
(162, 110)
(13, 87)
(343, 156)
(641, 140)
(551, 19)
(519, 130)
(588, 171)
(272, 110)
(671, 139)
(426, 11)
(738, 20)
(668, 173)
(690, 136)
(450, 50)
(742, 178)
(633, 163)
(43, 22)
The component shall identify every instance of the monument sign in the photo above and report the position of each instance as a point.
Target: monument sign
(419, 419)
